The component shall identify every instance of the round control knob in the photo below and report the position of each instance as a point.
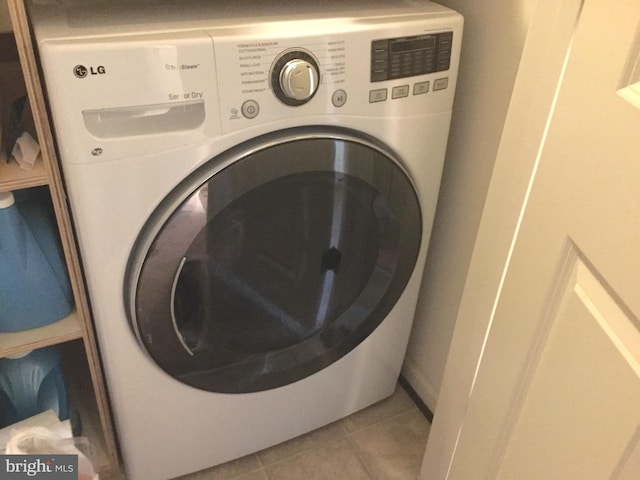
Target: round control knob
(295, 77)
(298, 79)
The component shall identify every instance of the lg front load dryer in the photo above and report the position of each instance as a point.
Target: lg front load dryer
(253, 190)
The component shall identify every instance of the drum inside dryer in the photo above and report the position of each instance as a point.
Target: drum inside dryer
(258, 274)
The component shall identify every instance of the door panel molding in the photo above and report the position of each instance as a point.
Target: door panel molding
(629, 464)
(584, 318)
(563, 286)
(546, 48)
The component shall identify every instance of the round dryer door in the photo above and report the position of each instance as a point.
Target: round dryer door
(273, 260)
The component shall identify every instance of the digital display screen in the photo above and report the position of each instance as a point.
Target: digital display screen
(402, 57)
(398, 46)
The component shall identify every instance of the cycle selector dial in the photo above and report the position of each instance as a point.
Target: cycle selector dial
(295, 77)
(298, 79)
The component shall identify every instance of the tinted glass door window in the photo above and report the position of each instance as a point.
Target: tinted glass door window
(256, 275)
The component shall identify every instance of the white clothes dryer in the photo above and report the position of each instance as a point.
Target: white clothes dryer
(253, 190)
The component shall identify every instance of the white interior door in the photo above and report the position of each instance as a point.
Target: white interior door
(543, 378)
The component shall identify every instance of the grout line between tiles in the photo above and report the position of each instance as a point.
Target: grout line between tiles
(265, 474)
(260, 467)
(353, 443)
(304, 452)
(386, 419)
(362, 461)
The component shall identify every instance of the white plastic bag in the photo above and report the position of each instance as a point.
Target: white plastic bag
(41, 441)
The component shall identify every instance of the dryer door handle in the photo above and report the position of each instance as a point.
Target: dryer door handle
(174, 320)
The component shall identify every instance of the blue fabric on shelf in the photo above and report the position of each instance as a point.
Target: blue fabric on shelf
(34, 286)
(32, 384)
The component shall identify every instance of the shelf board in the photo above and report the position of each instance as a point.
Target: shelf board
(12, 177)
(18, 343)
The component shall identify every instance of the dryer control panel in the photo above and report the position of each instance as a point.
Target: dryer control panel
(386, 68)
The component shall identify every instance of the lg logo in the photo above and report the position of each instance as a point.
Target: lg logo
(81, 71)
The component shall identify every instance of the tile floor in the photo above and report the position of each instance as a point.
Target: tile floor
(383, 442)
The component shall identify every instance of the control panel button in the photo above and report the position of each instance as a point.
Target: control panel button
(440, 83)
(379, 60)
(420, 88)
(250, 109)
(400, 91)
(445, 45)
(379, 95)
(339, 98)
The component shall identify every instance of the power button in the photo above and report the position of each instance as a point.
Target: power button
(250, 109)
(339, 98)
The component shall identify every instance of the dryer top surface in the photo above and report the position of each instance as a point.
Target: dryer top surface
(94, 18)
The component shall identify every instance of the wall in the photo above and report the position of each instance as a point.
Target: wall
(5, 21)
(493, 40)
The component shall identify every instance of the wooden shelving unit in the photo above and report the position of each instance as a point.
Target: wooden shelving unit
(12, 177)
(18, 343)
(73, 334)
